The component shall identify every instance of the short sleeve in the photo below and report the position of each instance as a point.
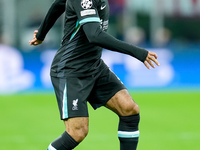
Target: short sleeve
(86, 11)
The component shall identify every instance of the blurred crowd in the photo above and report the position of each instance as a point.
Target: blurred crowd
(152, 23)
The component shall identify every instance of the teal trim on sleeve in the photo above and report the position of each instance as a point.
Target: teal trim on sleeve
(91, 19)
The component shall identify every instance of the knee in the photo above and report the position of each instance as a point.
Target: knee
(131, 109)
(77, 128)
(79, 132)
(82, 133)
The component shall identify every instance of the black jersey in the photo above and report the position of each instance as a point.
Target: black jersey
(77, 56)
(84, 36)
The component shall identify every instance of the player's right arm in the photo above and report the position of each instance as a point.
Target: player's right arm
(55, 11)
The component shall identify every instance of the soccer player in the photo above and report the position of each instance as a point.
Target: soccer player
(79, 74)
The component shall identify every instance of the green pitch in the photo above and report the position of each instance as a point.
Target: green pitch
(169, 121)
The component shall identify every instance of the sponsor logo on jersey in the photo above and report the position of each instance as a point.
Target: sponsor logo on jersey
(102, 7)
(75, 104)
(86, 4)
(88, 12)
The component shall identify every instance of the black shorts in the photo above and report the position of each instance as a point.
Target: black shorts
(73, 93)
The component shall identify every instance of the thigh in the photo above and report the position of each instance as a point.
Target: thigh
(107, 84)
(122, 104)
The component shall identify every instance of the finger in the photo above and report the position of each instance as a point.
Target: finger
(154, 60)
(151, 64)
(146, 64)
(36, 31)
(34, 36)
(33, 42)
(36, 43)
(153, 54)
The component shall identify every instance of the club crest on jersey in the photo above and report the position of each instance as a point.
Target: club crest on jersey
(75, 104)
(86, 4)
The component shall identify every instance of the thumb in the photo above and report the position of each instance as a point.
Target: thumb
(36, 31)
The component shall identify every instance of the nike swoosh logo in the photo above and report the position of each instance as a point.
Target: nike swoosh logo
(102, 7)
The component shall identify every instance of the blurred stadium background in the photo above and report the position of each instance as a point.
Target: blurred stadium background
(168, 95)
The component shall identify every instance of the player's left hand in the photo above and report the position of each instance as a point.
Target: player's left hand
(151, 57)
(35, 41)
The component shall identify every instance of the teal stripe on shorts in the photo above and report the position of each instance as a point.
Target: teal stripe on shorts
(65, 107)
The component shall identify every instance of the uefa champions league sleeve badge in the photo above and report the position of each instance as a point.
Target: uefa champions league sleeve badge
(86, 4)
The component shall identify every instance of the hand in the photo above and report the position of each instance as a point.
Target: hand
(35, 41)
(151, 57)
